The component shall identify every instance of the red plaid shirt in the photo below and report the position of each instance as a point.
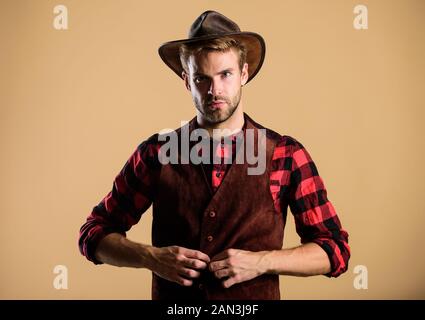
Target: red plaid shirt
(294, 182)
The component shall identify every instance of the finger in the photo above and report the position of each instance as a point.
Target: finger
(223, 273)
(218, 265)
(183, 281)
(189, 273)
(230, 282)
(195, 254)
(195, 264)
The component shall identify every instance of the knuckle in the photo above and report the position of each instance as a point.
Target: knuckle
(179, 257)
(200, 256)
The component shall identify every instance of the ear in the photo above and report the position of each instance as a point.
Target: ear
(244, 74)
(185, 77)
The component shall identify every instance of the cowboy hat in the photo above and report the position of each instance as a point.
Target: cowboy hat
(212, 25)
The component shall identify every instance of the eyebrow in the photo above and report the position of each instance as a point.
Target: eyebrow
(221, 72)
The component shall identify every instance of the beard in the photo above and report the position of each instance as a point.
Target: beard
(215, 116)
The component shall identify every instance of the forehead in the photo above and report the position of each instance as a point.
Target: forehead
(213, 61)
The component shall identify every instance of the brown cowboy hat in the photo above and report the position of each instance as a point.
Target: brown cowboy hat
(212, 25)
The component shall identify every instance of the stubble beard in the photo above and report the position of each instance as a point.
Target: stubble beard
(215, 116)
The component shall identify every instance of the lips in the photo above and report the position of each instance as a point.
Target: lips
(217, 104)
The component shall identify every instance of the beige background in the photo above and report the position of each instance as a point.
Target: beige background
(76, 103)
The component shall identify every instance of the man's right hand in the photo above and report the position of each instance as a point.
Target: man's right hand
(177, 264)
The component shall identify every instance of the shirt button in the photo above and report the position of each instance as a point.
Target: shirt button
(212, 214)
(210, 238)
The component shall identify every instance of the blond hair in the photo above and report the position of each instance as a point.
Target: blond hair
(219, 44)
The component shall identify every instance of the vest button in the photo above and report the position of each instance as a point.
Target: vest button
(201, 286)
(212, 214)
(210, 238)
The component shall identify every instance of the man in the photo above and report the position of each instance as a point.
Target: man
(217, 230)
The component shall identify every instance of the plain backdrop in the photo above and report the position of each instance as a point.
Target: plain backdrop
(76, 103)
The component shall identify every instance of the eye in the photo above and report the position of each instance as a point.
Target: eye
(199, 79)
(227, 74)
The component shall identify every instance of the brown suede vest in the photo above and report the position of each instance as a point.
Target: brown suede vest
(239, 215)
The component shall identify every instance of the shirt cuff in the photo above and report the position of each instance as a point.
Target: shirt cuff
(90, 245)
(326, 245)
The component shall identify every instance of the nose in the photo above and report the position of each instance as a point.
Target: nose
(215, 88)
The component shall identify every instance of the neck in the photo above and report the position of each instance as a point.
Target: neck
(232, 125)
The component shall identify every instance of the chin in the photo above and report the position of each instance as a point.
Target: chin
(222, 118)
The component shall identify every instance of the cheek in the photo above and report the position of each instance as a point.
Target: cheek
(196, 94)
(233, 90)
(199, 91)
(234, 84)
(194, 90)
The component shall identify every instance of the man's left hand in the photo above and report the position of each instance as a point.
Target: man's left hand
(235, 266)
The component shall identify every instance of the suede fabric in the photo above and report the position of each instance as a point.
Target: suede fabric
(239, 215)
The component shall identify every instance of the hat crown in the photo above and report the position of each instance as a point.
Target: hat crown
(210, 23)
(213, 25)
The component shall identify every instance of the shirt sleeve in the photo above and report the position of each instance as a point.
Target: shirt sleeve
(132, 194)
(315, 217)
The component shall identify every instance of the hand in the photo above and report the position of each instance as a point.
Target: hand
(235, 266)
(178, 264)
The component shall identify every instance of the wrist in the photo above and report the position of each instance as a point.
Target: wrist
(265, 262)
(145, 256)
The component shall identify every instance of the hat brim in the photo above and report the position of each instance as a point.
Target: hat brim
(253, 42)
